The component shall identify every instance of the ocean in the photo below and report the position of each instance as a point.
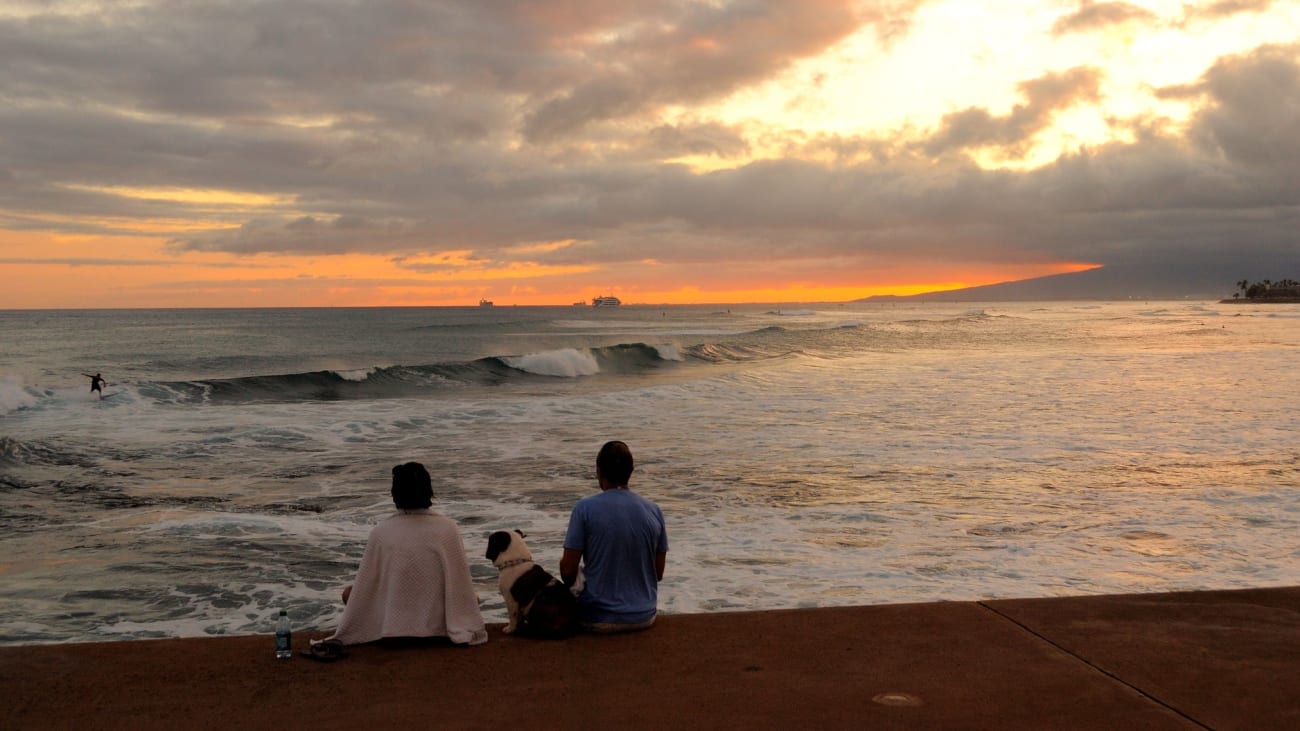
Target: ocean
(804, 455)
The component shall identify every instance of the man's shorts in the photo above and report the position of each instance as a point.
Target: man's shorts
(610, 628)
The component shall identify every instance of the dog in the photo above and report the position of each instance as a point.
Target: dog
(539, 604)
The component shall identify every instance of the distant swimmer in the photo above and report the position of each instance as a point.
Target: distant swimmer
(97, 383)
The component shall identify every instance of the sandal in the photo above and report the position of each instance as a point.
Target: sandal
(325, 650)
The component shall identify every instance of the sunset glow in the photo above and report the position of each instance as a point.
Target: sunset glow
(665, 153)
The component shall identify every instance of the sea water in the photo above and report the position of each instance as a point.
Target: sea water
(804, 456)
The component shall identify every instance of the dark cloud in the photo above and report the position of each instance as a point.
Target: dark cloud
(1224, 194)
(1254, 111)
(1226, 190)
(376, 110)
(700, 55)
(1093, 16)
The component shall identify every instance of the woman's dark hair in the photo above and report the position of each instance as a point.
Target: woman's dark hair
(614, 463)
(412, 487)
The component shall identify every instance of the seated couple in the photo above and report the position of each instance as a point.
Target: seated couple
(414, 578)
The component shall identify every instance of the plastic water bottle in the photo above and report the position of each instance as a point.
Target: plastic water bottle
(283, 637)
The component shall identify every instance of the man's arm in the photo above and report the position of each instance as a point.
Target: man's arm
(569, 566)
(661, 559)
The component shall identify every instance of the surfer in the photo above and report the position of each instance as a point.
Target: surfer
(97, 383)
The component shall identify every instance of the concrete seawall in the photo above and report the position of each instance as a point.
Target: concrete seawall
(1215, 659)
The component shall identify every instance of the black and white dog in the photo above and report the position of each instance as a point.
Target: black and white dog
(540, 605)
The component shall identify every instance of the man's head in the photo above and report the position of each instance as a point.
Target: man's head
(614, 464)
(412, 487)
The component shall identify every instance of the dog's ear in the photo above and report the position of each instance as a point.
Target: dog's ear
(497, 542)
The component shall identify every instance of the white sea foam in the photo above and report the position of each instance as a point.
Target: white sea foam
(565, 363)
(669, 351)
(14, 395)
(714, 332)
(592, 324)
(357, 375)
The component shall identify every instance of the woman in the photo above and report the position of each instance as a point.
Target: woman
(414, 578)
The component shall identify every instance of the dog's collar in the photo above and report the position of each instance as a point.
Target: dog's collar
(513, 562)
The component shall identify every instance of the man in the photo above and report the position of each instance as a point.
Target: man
(620, 541)
(96, 383)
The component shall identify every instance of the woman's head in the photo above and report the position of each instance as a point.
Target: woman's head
(412, 487)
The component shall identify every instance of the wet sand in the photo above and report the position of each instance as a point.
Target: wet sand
(1188, 660)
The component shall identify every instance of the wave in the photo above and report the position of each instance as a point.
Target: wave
(413, 381)
(14, 395)
(607, 363)
(19, 452)
(566, 363)
(359, 375)
(477, 325)
(733, 353)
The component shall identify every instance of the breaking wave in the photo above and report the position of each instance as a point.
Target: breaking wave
(413, 381)
(14, 395)
(621, 361)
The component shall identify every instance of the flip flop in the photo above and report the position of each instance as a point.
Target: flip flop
(325, 651)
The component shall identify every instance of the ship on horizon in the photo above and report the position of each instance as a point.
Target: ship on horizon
(604, 301)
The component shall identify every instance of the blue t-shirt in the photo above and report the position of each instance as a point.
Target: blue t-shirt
(619, 533)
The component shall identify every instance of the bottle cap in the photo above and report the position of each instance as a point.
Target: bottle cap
(283, 612)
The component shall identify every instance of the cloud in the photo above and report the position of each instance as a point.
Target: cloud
(1227, 190)
(702, 53)
(1171, 195)
(411, 130)
(1254, 111)
(1092, 16)
(97, 262)
(372, 112)
(1223, 9)
(1047, 95)
(715, 140)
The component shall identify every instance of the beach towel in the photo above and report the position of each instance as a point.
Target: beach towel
(413, 581)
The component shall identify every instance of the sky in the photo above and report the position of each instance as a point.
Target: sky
(268, 153)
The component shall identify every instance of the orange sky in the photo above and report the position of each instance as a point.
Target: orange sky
(149, 276)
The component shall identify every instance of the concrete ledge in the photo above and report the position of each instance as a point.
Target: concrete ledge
(1190, 660)
(1228, 659)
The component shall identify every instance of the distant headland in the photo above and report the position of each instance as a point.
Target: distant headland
(1119, 283)
(1266, 291)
